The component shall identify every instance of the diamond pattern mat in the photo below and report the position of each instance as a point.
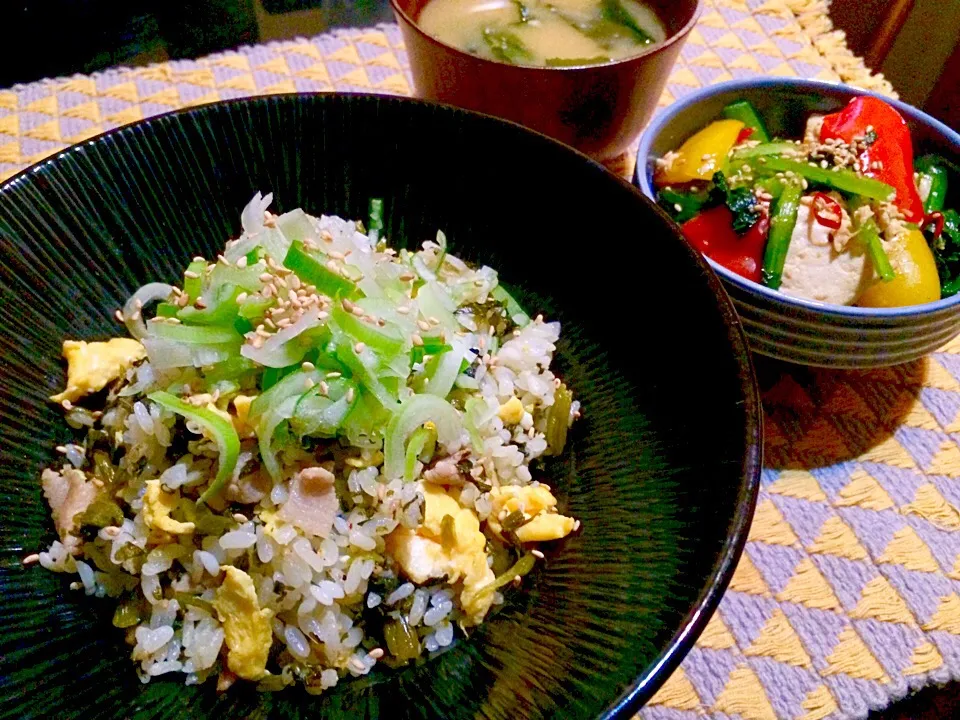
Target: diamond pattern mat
(848, 593)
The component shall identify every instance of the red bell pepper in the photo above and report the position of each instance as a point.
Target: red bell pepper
(889, 158)
(711, 232)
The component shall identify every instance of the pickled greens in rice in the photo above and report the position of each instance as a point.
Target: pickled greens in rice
(315, 453)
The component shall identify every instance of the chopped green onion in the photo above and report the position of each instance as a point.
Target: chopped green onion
(363, 368)
(516, 313)
(615, 12)
(506, 46)
(220, 309)
(219, 427)
(413, 414)
(194, 334)
(421, 438)
(193, 278)
(385, 340)
(313, 272)
(322, 415)
(166, 309)
(255, 307)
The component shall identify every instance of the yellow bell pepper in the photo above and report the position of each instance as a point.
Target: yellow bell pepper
(701, 155)
(916, 281)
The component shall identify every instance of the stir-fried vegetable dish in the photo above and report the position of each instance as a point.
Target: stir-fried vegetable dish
(844, 215)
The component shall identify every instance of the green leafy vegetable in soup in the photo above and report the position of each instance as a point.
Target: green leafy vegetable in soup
(554, 33)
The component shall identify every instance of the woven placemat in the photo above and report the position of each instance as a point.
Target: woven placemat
(848, 593)
(734, 38)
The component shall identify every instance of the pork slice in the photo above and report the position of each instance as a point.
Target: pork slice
(69, 493)
(312, 503)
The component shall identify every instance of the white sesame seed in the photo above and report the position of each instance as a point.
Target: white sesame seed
(266, 277)
(423, 325)
(240, 517)
(333, 375)
(242, 262)
(191, 274)
(308, 382)
(331, 266)
(198, 259)
(241, 298)
(417, 340)
(118, 315)
(537, 554)
(376, 653)
(324, 388)
(35, 557)
(308, 366)
(359, 348)
(403, 309)
(350, 395)
(67, 405)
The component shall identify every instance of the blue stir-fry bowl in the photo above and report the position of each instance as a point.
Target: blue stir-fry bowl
(789, 328)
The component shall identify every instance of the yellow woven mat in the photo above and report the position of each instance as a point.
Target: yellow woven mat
(848, 593)
(734, 38)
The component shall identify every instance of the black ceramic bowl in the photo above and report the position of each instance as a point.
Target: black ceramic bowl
(662, 469)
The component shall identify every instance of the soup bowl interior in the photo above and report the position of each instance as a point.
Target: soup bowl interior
(662, 469)
(598, 109)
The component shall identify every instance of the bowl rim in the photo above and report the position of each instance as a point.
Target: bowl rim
(840, 312)
(651, 49)
(644, 685)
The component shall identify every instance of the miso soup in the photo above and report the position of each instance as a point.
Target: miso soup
(555, 33)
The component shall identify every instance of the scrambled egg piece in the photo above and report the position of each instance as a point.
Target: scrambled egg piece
(157, 506)
(451, 547)
(532, 500)
(241, 421)
(511, 412)
(90, 366)
(246, 628)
